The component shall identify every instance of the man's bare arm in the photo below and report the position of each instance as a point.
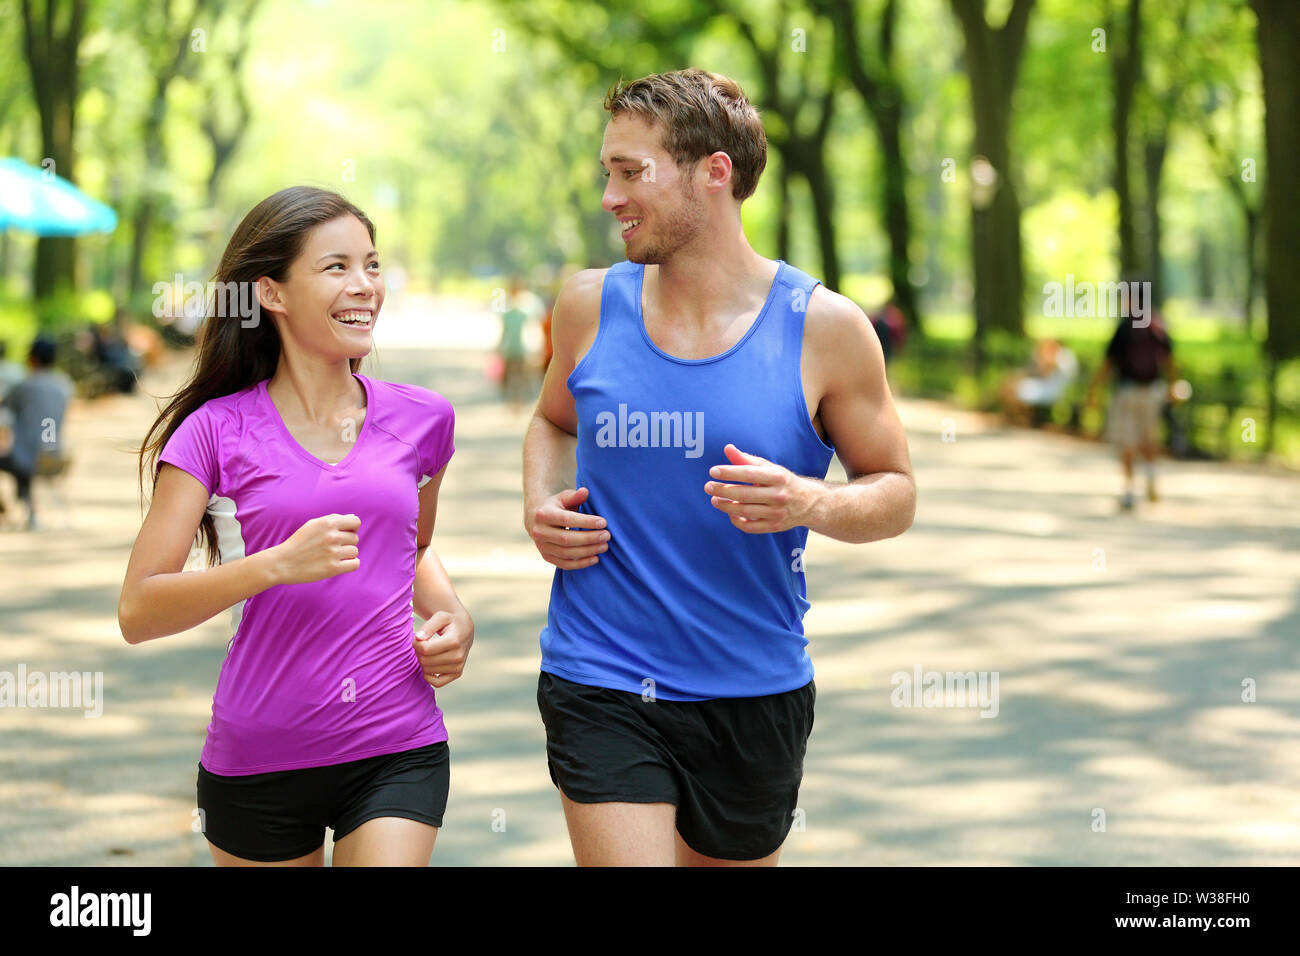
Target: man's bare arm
(550, 441)
(858, 413)
(862, 423)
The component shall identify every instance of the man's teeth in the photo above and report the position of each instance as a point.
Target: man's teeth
(631, 224)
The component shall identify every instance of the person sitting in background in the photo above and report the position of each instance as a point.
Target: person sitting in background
(145, 343)
(11, 373)
(1028, 397)
(114, 356)
(37, 404)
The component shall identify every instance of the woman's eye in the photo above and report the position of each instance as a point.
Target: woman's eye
(631, 173)
(605, 173)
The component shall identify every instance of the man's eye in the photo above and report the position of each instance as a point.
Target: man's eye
(605, 173)
(631, 173)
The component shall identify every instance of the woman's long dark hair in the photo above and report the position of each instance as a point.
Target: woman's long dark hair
(232, 357)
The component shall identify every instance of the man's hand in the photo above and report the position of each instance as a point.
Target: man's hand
(443, 644)
(774, 498)
(548, 527)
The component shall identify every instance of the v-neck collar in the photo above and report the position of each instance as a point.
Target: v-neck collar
(303, 452)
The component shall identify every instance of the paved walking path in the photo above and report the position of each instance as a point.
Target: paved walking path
(1120, 645)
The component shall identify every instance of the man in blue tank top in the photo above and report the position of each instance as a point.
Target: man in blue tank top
(672, 471)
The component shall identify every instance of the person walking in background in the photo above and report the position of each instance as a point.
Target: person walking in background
(1140, 355)
(35, 408)
(516, 377)
(316, 488)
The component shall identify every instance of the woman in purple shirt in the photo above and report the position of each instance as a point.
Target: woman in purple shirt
(315, 490)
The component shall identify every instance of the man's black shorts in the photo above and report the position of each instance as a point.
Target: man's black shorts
(732, 765)
(282, 815)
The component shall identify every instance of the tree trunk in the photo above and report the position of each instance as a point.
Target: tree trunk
(1126, 68)
(897, 222)
(226, 142)
(992, 59)
(154, 145)
(1204, 269)
(882, 95)
(783, 212)
(823, 202)
(1278, 36)
(51, 55)
(1252, 239)
(1154, 153)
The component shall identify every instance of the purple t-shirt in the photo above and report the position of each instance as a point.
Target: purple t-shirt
(320, 672)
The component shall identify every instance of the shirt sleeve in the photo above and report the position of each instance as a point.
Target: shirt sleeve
(437, 432)
(193, 448)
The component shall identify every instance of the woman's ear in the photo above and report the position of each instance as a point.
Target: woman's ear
(268, 295)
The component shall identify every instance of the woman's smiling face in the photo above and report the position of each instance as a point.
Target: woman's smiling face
(334, 291)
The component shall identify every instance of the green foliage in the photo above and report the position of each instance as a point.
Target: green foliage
(470, 132)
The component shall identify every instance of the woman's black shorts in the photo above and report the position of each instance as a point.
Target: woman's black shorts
(731, 765)
(281, 815)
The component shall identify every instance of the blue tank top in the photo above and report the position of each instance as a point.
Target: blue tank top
(682, 597)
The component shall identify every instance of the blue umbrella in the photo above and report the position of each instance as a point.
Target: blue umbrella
(35, 201)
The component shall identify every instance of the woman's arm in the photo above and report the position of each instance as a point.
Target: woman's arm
(158, 598)
(433, 590)
(443, 643)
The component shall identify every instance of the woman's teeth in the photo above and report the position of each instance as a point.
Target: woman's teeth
(353, 318)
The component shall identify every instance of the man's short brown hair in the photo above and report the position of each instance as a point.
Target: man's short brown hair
(702, 113)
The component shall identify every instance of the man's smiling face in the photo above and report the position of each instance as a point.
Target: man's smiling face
(654, 201)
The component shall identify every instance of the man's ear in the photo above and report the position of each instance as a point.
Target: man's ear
(719, 168)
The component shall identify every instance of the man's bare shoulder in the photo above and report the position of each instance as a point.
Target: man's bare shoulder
(836, 327)
(579, 300)
(576, 316)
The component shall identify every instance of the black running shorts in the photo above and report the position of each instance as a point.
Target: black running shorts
(281, 815)
(731, 765)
